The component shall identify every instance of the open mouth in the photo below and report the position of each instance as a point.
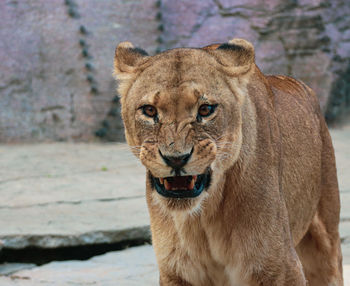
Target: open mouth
(181, 186)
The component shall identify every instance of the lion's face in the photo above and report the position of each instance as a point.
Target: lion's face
(183, 121)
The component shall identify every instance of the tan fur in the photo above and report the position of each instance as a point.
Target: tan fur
(271, 213)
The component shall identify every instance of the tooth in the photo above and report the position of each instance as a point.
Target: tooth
(167, 185)
(161, 180)
(195, 178)
(191, 185)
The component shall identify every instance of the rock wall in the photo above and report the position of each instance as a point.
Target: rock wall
(56, 56)
(56, 60)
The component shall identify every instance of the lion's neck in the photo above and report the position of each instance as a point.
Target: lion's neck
(213, 206)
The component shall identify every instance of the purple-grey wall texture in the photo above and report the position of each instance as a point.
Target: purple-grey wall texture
(56, 56)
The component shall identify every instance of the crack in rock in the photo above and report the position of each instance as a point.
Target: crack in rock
(73, 202)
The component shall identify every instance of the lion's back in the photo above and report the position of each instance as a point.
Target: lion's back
(299, 118)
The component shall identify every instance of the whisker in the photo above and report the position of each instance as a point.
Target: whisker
(223, 143)
(216, 139)
(224, 153)
(128, 147)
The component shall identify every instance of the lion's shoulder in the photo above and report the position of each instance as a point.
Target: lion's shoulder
(287, 89)
(288, 85)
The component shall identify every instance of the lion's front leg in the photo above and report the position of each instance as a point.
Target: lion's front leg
(286, 272)
(166, 279)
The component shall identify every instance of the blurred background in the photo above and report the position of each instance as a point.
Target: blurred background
(73, 201)
(56, 56)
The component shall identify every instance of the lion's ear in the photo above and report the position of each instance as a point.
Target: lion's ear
(127, 58)
(237, 56)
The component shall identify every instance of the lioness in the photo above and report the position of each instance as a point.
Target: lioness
(241, 177)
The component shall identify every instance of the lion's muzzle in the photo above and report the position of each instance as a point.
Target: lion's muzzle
(176, 163)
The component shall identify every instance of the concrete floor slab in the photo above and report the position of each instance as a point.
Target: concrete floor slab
(64, 194)
(132, 267)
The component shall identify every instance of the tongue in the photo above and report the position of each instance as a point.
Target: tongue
(178, 182)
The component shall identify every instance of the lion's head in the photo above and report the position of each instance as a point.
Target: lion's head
(182, 115)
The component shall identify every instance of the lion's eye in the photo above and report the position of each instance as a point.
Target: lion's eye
(149, 110)
(206, 109)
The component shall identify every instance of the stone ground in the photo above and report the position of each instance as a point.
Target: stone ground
(63, 194)
(70, 194)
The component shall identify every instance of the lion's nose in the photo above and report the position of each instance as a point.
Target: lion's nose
(176, 162)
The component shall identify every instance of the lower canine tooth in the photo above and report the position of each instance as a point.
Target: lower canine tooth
(191, 185)
(167, 185)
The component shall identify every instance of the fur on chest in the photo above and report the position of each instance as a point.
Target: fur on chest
(201, 257)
